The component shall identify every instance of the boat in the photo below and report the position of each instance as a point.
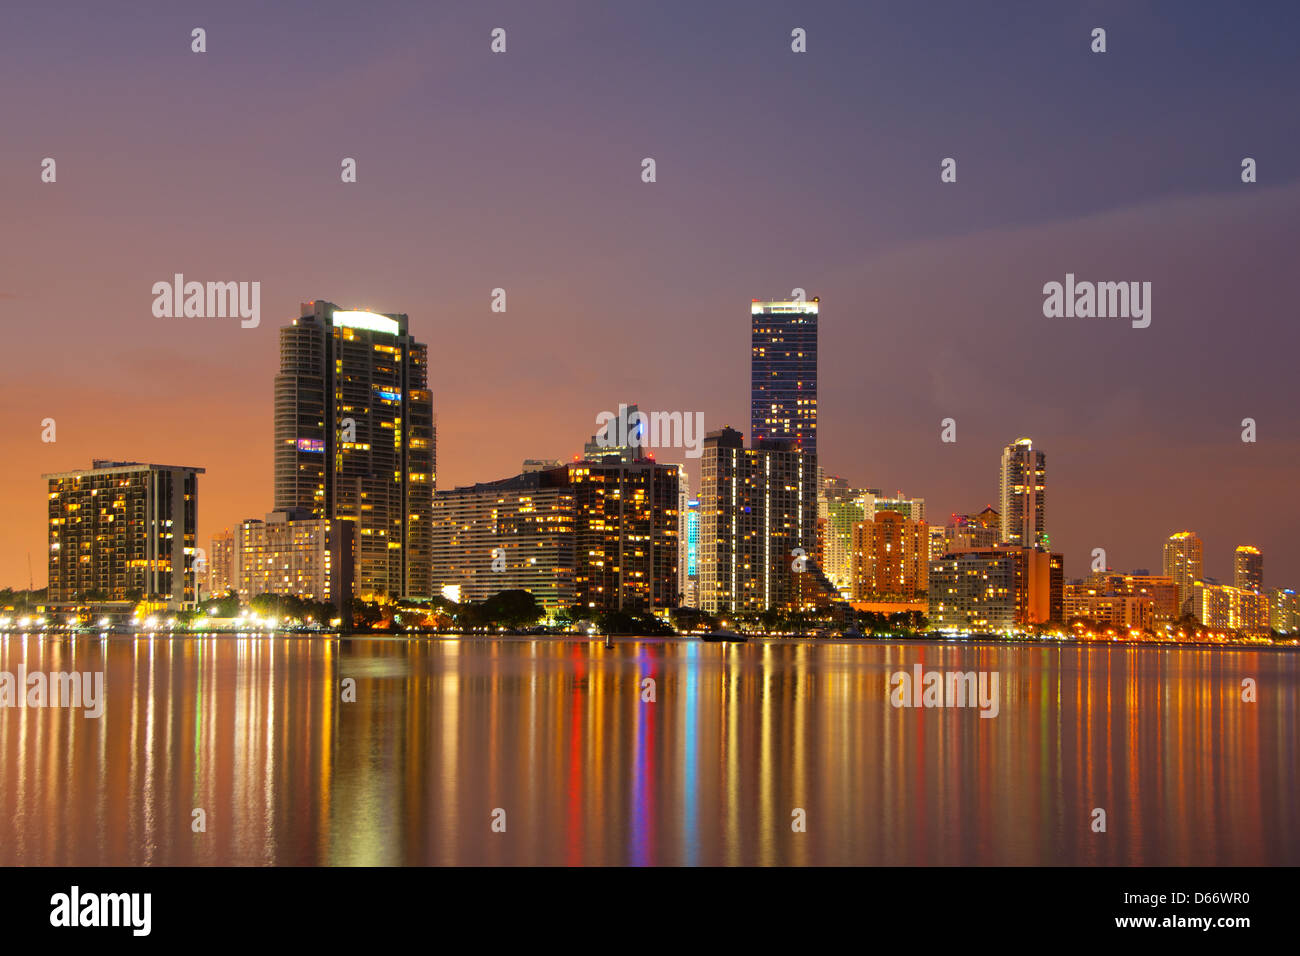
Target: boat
(852, 634)
(722, 635)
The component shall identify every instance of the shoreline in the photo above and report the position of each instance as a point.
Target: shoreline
(982, 640)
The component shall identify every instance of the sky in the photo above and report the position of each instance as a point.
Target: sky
(774, 170)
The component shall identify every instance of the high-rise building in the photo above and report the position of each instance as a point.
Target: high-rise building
(1283, 611)
(1233, 608)
(354, 439)
(600, 534)
(123, 531)
(691, 596)
(1182, 562)
(626, 526)
(1022, 493)
(758, 523)
(840, 509)
(996, 589)
(1248, 568)
(938, 535)
(221, 564)
(513, 534)
(890, 558)
(1118, 611)
(296, 553)
(783, 379)
(1161, 591)
(684, 561)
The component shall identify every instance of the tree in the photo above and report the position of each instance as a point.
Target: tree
(514, 608)
(692, 619)
(225, 606)
(365, 614)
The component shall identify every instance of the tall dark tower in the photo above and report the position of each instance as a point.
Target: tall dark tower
(783, 380)
(354, 439)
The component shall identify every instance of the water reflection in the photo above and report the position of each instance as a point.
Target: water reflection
(254, 732)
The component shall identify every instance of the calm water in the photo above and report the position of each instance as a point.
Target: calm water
(555, 733)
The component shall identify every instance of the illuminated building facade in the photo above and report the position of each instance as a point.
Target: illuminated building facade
(123, 531)
(221, 564)
(840, 509)
(599, 534)
(691, 596)
(626, 528)
(758, 514)
(688, 539)
(1248, 568)
(1283, 612)
(891, 558)
(354, 439)
(1232, 608)
(783, 374)
(963, 532)
(995, 589)
(513, 534)
(1123, 612)
(913, 508)
(1022, 493)
(1183, 563)
(295, 553)
(1160, 590)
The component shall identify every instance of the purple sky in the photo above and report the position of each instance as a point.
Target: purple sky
(775, 170)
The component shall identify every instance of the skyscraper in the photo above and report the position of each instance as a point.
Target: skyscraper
(626, 527)
(691, 517)
(758, 517)
(1183, 564)
(1248, 568)
(683, 537)
(783, 379)
(1022, 495)
(354, 439)
(123, 531)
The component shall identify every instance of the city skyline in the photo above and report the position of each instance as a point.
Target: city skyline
(931, 291)
(621, 542)
(351, 323)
